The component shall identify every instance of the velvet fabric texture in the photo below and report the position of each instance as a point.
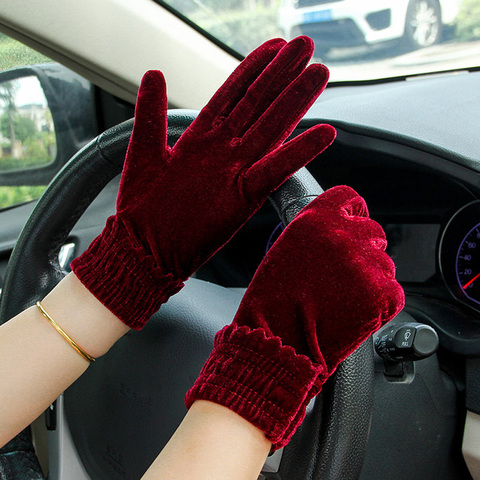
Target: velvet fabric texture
(177, 206)
(322, 289)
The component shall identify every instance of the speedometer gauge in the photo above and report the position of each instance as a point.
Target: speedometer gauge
(460, 255)
(468, 264)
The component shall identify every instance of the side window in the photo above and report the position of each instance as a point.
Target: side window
(46, 115)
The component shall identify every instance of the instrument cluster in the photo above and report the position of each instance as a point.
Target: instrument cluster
(459, 255)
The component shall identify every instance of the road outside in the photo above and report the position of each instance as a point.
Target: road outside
(363, 65)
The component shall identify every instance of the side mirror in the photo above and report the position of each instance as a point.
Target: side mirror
(47, 113)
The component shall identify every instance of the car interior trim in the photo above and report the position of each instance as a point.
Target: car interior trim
(93, 57)
(471, 440)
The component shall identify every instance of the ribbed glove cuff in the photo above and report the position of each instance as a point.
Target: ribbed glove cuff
(123, 276)
(257, 377)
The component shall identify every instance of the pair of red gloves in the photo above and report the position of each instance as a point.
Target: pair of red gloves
(321, 290)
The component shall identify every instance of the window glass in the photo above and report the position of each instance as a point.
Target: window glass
(27, 134)
(15, 54)
(357, 40)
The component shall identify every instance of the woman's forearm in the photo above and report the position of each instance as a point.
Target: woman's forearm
(37, 364)
(212, 442)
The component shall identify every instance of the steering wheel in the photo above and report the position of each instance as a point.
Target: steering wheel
(128, 403)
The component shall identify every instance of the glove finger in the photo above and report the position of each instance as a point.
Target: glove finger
(395, 300)
(380, 297)
(384, 263)
(149, 136)
(272, 170)
(236, 85)
(346, 213)
(340, 210)
(365, 230)
(382, 294)
(354, 216)
(282, 70)
(341, 198)
(278, 122)
(362, 302)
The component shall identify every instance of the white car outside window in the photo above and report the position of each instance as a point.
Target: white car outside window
(350, 23)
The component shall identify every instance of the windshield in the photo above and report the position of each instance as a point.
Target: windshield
(358, 40)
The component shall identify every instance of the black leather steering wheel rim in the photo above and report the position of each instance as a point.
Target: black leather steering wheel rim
(332, 442)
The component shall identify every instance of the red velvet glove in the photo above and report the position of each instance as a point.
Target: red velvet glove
(322, 289)
(177, 206)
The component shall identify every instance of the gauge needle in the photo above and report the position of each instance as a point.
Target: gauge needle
(471, 281)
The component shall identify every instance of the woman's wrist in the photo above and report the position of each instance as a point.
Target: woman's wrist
(212, 442)
(84, 318)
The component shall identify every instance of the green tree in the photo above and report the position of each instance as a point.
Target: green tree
(467, 23)
(8, 91)
(23, 127)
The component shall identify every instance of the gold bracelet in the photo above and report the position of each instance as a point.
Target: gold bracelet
(57, 327)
